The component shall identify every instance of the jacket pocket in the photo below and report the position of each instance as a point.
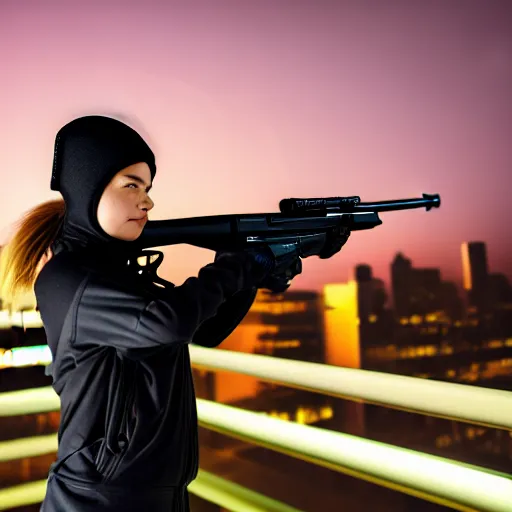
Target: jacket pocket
(118, 429)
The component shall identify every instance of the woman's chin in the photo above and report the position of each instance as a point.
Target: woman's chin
(130, 234)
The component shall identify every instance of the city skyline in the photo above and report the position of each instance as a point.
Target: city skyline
(387, 279)
(460, 281)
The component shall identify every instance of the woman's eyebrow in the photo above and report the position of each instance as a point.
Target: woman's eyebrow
(139, 180)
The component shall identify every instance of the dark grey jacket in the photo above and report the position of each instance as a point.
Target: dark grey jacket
(121, 366)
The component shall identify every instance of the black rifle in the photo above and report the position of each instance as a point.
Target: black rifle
(312, 227)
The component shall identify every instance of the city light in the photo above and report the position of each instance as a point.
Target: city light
(29, 318)
(25, 356)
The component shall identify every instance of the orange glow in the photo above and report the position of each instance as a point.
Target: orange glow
(416, 319)
(342, 342)
(466, 267)
(278, 308)
(269, 345)
(231, 387)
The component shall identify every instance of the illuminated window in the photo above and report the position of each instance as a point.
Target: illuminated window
(25, 356)
(431, 350)
(270, 345)
(300, 416)
(279, 308)
(443, 441)
(326, 413)
(29, 318)
(307, 415)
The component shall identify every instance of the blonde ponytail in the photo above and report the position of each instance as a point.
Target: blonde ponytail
(22, 257)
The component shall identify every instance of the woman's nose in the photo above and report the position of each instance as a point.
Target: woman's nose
(148, 203)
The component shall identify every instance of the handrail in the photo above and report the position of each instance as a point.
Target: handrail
(456, 485)
(460, 402)
(208, 486)
(28, 447)
(35, 446)
(483, 406)
(29, 401)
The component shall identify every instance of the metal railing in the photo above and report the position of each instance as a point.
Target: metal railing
(487, 407)
(459, 486)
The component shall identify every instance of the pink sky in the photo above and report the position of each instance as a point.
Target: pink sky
(245, 103)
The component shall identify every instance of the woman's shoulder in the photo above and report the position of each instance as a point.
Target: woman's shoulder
(69, 270)
(59, 280)
(55, 288)
(61, 268)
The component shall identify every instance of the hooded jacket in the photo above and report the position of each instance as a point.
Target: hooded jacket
(128, 437)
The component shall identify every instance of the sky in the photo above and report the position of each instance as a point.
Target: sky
(246, 103)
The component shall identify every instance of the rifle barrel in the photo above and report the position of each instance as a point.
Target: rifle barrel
(298, 206)
(428, 201)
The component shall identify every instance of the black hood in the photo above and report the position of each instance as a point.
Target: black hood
(89, 152)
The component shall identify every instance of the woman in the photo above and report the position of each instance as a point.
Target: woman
(119, 342)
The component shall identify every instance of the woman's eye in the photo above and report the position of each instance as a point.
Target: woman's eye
(131, 185)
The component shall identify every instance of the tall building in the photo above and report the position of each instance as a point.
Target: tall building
(372, 295)
(374, 318)
(475, 275)
(420, 291)
(401, 276)
(500, 291)
(363, 273)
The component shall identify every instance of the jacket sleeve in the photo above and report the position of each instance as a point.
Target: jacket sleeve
(214, 331)
(136, 325)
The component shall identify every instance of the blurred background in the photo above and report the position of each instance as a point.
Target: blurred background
(246, 103)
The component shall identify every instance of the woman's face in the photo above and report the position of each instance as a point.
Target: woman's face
(123, 207)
